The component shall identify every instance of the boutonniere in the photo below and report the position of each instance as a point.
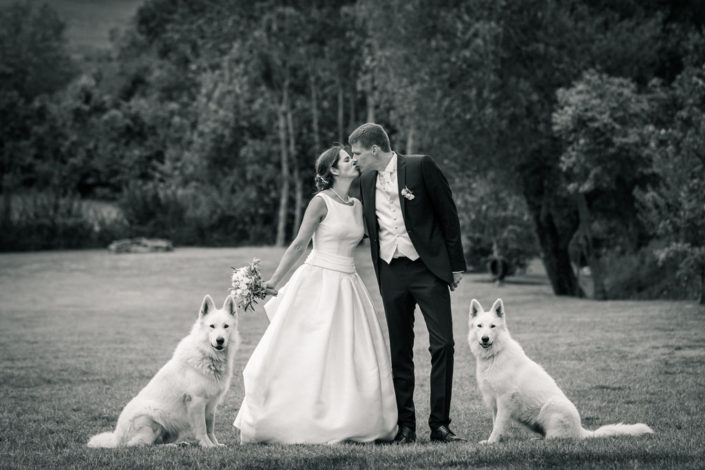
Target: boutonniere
(406, 192)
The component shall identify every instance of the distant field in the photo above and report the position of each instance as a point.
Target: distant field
(88, 22)
(82, 331)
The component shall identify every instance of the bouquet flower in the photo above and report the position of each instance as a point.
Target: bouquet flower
(247, 285)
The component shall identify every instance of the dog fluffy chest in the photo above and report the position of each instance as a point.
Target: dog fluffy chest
(518, 384)
(508, 375)
(210, 373)
(200, 376)
(495, 378)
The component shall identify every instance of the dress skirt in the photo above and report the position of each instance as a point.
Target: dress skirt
(321, 373)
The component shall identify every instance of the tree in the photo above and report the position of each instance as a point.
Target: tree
(496, 224)
(34, 61)
(599, 120)
(279, 58)
(675, 206)
(489, 82)
(329, 58)
(496, 93)
(299, 58)
(33, 50)
(545, 46)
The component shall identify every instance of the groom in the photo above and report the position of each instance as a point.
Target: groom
(417, 254)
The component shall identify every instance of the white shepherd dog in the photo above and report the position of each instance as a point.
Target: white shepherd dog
(179, 403)
(514, 386)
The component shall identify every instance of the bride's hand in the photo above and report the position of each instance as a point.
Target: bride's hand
(269, 288)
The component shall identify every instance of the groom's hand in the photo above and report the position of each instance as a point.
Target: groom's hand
(457, 277)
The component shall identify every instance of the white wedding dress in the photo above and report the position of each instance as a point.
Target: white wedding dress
(321, 373)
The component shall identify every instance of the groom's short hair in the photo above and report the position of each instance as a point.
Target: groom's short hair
(370, 134)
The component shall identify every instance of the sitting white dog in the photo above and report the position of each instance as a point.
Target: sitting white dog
(514, 386)
(179, 403)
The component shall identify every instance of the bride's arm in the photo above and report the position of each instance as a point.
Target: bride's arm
(315, 213)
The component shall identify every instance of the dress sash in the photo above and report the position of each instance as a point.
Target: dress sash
(343, 264)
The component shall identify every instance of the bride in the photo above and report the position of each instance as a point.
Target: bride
(321, 373)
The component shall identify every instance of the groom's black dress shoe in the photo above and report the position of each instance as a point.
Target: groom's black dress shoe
(444, 434)
(405, 436)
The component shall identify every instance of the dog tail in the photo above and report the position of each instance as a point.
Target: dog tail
(619, 430)
(105, 439)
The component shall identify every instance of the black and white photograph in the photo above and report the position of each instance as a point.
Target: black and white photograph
(322, 234)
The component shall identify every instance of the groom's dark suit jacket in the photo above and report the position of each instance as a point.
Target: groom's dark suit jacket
(431, 217)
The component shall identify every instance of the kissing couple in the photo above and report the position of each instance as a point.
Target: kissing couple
(322, 373)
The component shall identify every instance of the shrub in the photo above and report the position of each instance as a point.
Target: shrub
(195, 215)
(151, 211)
(40, 221)
(640, 275)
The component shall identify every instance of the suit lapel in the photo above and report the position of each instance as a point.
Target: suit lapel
(401, 181)
(369, 187)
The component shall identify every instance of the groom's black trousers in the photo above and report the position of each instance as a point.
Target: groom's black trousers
(403, 284)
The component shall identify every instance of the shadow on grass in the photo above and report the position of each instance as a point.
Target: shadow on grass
(522, 281)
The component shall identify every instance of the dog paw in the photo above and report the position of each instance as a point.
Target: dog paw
(206, 444)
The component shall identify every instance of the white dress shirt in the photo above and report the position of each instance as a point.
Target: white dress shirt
(394, 241)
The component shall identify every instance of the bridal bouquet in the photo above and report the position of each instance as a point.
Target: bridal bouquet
(247, 285)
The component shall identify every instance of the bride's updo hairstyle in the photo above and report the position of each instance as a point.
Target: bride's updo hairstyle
(325, 161)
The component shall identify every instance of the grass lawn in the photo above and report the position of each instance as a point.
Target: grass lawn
(81, 332)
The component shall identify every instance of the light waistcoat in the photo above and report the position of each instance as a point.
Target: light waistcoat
(394, 241)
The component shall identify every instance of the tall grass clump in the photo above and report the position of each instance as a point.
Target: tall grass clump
(193, 215)
(41, 221)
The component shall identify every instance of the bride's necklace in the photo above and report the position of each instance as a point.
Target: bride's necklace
(344, 201)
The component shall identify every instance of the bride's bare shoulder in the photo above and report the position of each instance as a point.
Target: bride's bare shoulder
(317, 206)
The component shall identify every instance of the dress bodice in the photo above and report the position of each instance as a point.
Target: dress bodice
(341, 230)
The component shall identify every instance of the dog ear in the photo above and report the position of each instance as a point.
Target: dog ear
(229, 305)
(475, 308)
(498, 308)
(207, 306)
